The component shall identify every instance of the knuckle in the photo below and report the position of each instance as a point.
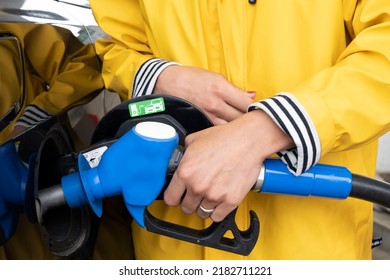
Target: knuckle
(184, 172)
(212, 198)
(219, 79)
(213, 106)
(200, 188)
(231, 202)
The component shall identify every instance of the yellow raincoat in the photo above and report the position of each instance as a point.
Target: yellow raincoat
(333, 56)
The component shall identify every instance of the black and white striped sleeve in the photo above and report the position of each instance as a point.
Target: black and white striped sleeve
(32, 115)
(146, 76)
(293, 119)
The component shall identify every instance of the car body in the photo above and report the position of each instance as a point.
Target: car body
(76, 17)
(25, 27)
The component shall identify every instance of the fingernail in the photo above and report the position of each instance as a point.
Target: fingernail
(251, 93)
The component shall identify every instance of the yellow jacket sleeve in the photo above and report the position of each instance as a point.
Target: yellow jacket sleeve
(345, 106)
(351, 99)
(126, 54)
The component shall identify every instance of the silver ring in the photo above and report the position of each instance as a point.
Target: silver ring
(207, 211)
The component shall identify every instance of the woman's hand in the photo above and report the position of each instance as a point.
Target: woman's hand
(222, 163)
(213, 93)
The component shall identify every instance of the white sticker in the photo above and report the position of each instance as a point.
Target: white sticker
(93, 157)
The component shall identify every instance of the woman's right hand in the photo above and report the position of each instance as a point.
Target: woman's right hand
(220, 100)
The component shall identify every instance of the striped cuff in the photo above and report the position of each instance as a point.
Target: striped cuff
(32, 115)
(146, 76)
(293, 119)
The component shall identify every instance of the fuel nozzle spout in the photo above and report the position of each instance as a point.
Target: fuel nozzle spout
(134, 166)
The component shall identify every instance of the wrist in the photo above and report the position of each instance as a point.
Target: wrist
(267, 137)
(146, 77)
(287, 112)
(167, 79)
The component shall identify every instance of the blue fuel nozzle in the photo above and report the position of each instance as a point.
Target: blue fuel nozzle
(134, 166)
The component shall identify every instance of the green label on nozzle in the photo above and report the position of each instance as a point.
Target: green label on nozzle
(147, 107)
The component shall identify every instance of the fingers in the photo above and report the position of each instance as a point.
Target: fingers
(251, 94)
(221, 211)
(177, 194)
(175, 191)
(234, 104)
(215, 211)
(204, 211)
(206, 207)
(228, 113)
(221, 100)
(190, 202)
(239, 98)
(217, 121)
